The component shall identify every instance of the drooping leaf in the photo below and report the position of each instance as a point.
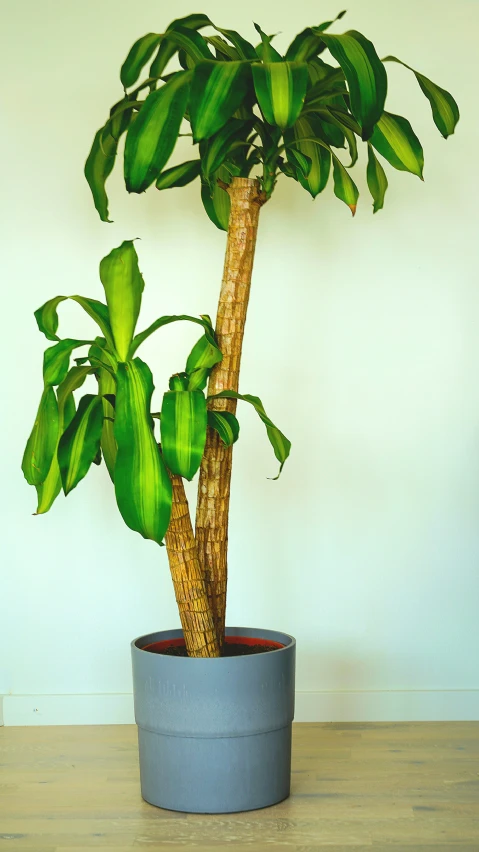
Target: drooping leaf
(215, 150)
(42, 442)
(336, 120)
(183, 431)
(189, 40)
(280, 443)
(307, 43)
(302, 136)
(300, 161)
(226, 424)
(47, 316)
(161, 321)
(365, 75)
(396, 141)
(280, 88)
(168, 48)
(244, 48)
(224, 51)
(123, 283)
(217, 90)
(344, 187)
(56, 360)
(142, 484)
(445, 111)
(98, 167)
(137, 57)
(179, 175)
(377, 180)
(50, 488)
(151, 138)
(80, 442)
(216, 200)
(202, 358)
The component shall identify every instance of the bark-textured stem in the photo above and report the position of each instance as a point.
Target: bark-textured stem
(215, 472)
(188, 580)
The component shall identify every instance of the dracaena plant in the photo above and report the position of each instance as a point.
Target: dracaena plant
(252, 115)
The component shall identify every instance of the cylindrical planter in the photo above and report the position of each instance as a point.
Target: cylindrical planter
(214, 734)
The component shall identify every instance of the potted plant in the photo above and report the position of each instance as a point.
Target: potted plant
(214, 706)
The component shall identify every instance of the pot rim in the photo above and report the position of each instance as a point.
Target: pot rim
(230, 631)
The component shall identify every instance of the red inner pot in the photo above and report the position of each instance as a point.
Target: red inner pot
(158, 647)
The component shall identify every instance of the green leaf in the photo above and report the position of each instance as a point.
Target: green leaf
(377, 180)
(301, 136)
(365, 75)
(244, 48)
(80, 442)
(344, 187)
(216, 200)
(142, 484)
(183, 431)
(138, 56)
(179, 175)
(445, 111)
(191, 42)
(123, 283)
(201, 360)
(56, 360)
(300, 161)
(50, 488)
(334, 121)
(307, 43)
(224, 51)
(152, 137)
(168, 48)
(215, 150)
(279, 442)
(98, 167)
(47, 316)
(217, 90)
(265, 51)
(107, 387)
(42, 442)
(396, 141)
(161, 321)
(280, 88)
(226, 425)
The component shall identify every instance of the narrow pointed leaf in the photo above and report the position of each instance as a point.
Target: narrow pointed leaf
(217, 90)
(47, 316)
(168, 48)
(107, 387)
(226, 424)
(445, 111)
(332, 123)
(377, 180)
(365, 75)
(142, 484)
(224, 51)
(42, 442)
(189, 40)
(216, 200)
(161, 321)
(244, 48)
(280, 88)
(151, 138)
(56, 360)
(123, 283)
(79, 444)
(300, 161)
(183, 431)
(280, 443)
(265, 51)
(98, 167)
(301, 136)
(138, 56)
(344, 187)
(179, 175)
(215, 150)
(396, 141)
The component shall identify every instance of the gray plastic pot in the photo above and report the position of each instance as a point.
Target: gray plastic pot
(214, 734)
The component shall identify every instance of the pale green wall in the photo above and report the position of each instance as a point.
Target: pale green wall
(362, 339)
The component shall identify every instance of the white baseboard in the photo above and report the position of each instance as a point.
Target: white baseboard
(370, 706)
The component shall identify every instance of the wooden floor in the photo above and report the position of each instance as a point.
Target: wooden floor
(355, 787)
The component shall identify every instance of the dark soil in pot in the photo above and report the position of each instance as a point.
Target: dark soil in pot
(235, 646)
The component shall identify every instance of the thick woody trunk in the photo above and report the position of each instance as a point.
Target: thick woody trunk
(188, 580)
(215, 472)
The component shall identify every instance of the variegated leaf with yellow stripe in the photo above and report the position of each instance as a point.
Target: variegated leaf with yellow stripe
(445, 111)
(396, 141)
(280, 88)
(80, 442)
(183, 431)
